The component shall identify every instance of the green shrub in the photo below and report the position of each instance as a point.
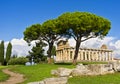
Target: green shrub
(18, 61)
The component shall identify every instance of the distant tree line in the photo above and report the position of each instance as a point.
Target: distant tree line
(4, 58)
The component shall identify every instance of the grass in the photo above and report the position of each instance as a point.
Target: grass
(37, 72)
(83, 62)
(86, 63)
(3, 76)
(104, 79)
(42, 71)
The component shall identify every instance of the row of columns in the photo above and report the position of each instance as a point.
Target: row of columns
(84, 54)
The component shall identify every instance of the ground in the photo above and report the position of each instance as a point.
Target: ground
(14, 77)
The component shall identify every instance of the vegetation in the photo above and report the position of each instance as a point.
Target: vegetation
(83, 26)
(79, 25)
(101, 79)
(47, 32)
(3, 60)
(18, 61)
(37, 72)
(3, 76)
(8, 52)
(2, 53)
(86, 63)
(42, 71)
(37, 52)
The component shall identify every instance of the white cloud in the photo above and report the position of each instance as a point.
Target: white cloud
(19, 42)
(93, 43)
(21, 48)
(111, 42)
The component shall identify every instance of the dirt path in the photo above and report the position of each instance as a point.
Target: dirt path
(14, 77)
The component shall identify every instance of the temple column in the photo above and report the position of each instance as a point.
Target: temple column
(68, 54)
(89, 56)
(103, 56)
(96, 58)
(99, 53)
(92, 57)
(85, 55)
(112, 55)
(108, 56)
(57, 56)
(81, 54)
(73, 54)
(96, 55)
(65, 57)
(61, 55)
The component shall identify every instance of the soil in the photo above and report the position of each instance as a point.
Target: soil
(14, 78)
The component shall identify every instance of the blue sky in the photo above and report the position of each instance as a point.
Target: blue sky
(16, 15)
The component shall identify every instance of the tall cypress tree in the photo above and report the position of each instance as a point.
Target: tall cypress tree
(2, 52)
(8, 52)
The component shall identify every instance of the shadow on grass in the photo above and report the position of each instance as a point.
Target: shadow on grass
(84, 63)
(63, 63)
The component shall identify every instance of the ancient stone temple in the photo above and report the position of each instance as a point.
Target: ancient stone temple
(65, 53)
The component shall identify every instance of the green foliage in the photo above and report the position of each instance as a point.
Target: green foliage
(2, 52)
(8, 52)
(18, 61)
(79, 25)
(49, 32)
(37, 52)
(14, 56)
(32, 33)
(83, 26)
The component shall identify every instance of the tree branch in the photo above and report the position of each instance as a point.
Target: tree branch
(74, 37)
(87, 38)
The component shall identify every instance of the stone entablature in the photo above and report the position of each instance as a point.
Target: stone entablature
(65, 53)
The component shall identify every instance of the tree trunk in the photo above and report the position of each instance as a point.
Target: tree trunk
(78, 42)
(49, 52)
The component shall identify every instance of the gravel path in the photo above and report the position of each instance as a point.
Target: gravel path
(14, 77)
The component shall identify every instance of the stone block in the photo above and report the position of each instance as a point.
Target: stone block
(60, 80)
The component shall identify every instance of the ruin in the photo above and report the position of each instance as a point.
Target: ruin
(65, 53)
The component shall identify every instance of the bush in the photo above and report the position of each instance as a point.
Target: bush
(18, 61)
